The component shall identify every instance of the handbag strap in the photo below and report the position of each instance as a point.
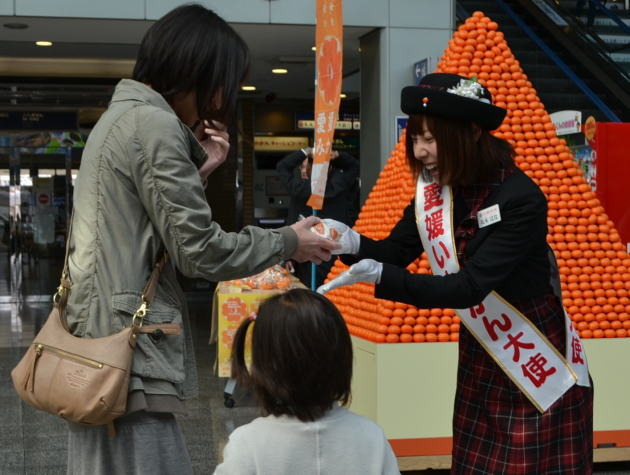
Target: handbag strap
(149, 291)
(60, 299)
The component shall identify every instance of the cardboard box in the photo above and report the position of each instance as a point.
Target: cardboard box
(230, 306)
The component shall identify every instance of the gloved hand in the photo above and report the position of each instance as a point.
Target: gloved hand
(311, 245)
(366, 270)
(350, 240)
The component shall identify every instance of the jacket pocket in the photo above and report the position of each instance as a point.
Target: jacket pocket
(157, 356)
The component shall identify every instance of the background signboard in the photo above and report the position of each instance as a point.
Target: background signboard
(567, 122)
(400, 124)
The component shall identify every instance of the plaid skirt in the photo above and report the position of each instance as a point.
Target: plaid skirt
(496, 430)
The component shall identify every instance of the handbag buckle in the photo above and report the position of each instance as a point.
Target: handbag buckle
(140, 313)
(59, 294)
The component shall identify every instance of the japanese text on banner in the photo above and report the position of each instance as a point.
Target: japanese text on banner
(526, 356)
(329, 47)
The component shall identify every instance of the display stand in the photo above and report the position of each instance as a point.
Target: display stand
(230, 305)
(228, 393)
(408, 389)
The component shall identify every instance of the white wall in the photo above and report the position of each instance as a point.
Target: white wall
(130, 9)
(6, 7)
(417, 29)
(378, 13)
(235, 11)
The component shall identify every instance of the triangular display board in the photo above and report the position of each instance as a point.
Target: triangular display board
(594, 266)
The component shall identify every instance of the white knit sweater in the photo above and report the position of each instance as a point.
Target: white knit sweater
(340, 443)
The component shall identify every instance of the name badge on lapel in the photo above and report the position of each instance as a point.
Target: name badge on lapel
(488, 216)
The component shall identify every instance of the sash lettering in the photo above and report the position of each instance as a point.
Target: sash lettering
(518, 347)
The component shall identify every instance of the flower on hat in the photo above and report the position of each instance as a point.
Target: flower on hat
(469, 88)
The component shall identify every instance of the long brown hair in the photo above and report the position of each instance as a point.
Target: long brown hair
(462, 159)
(301, 355)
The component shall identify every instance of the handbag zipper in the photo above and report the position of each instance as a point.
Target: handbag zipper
(40, 347)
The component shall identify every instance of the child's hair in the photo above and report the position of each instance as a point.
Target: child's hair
(192, 49)
(301, 355)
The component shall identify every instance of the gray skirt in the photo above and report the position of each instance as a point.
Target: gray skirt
(145, 443)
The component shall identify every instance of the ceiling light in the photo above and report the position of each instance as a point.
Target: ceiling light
(279, 71)
(43, 43)
(16, 26)
(343, 95)
(248, 88)
(313, 48)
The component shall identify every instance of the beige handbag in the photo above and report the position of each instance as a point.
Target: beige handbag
(83, 380)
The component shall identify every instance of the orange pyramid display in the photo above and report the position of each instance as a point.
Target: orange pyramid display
(594, 267)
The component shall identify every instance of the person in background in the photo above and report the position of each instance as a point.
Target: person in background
(467, 179)
(300, 372)
(340, 198)
(140, 191)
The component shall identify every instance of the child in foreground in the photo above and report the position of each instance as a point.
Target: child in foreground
(300, 373)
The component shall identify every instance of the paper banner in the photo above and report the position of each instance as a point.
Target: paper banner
(329, 45)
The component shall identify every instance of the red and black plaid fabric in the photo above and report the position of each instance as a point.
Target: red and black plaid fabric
(496, 429)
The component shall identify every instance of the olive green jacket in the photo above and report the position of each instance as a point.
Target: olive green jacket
(138, 189)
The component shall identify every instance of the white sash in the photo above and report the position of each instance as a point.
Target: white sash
(518, 347)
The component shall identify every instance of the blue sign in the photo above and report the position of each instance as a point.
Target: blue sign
(401, 123)
(420, 69)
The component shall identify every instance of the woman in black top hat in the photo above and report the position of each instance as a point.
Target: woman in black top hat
(489, 256)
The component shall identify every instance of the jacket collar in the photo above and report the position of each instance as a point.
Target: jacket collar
(130, 90)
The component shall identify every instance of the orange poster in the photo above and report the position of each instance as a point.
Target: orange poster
(329, 44)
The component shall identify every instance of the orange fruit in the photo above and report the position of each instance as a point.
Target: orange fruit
(419, 338)
(594, 266)
(392, 338)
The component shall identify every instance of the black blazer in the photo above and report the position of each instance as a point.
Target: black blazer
(509, 256)
(341, 188)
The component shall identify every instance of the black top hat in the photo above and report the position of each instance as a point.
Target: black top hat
(453, 97)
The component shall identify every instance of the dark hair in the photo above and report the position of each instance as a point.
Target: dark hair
(192, 49)
(462, 159)
(301, 355)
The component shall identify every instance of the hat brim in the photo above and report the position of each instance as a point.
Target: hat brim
(427, 100)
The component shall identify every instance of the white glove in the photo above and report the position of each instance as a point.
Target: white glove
(350, 240)
(366, 270)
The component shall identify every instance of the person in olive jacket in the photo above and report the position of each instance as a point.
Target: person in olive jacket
(340, 198)
(140, 190)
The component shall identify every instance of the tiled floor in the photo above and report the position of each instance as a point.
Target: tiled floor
(32, 442)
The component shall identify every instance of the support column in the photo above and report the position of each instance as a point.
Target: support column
(416, 30)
